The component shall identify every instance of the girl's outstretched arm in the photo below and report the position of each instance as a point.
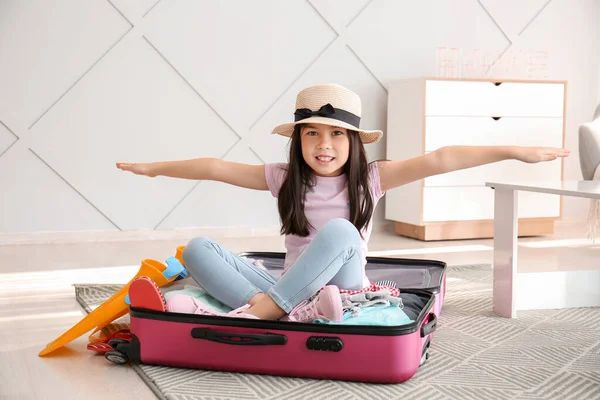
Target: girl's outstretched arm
(453, 158)
(213, 169)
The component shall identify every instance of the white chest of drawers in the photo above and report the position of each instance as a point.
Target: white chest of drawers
(425, 114)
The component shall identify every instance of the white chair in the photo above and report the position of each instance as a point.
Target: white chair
(589, 160)
(589, 147)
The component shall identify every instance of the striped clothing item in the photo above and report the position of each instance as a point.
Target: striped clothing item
(374, 287)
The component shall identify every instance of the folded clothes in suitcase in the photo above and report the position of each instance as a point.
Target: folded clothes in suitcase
(368, 353)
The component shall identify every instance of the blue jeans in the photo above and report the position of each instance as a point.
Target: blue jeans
(332, 257)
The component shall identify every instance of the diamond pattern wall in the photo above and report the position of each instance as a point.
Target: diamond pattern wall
(131, 106)
(88, 84)
(7, 138)
(134, 10)
(514, 16)
(239, 58)
(45, 47)
(340, 13)
(398, 39)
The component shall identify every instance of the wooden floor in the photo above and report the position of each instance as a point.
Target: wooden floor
(37, 299)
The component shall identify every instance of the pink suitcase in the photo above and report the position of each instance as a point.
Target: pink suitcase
(385, 354)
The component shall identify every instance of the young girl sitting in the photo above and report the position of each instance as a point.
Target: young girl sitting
(326, 193)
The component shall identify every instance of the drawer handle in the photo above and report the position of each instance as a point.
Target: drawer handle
(496, 118)
(497, 83)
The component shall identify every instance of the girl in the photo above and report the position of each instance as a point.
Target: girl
(326, 193)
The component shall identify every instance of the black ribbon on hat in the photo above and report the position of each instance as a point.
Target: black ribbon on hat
(328, 111)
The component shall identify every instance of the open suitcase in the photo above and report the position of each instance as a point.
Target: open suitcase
(368, 353)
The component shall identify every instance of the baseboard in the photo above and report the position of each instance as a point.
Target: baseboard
(163, 234)
(134, 235)
(379, 226)
(480, 229)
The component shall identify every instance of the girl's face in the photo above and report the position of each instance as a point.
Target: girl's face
(325, 148)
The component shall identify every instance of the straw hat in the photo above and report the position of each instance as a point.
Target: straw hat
(329, 104)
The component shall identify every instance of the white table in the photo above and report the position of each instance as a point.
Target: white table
(505, 248)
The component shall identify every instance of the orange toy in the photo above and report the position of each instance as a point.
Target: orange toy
(116, 306)
(179, 254)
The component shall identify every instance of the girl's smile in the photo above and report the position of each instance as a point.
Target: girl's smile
(324, 160)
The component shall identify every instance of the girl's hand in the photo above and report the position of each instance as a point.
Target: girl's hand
(146, 169)
(538, 154)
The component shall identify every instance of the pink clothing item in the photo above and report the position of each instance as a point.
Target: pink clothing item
(327, 201)
(185, 304)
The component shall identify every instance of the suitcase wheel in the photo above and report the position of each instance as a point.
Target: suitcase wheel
(116, 357)
(424, 358)
(425, 354)
(115, 342)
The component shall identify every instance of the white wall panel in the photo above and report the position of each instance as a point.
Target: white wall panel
(45, 46)
(134, 10)
(514, 16)
(7, 138)
(398, 38)
(339, 14)
(131, 107)
(35, 198)
(239, 56)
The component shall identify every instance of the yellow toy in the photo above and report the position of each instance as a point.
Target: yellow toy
(118, 305)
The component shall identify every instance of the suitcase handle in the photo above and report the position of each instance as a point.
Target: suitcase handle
(430, 326)
(244, 339)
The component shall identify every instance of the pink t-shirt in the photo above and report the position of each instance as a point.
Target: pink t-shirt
(327, 201)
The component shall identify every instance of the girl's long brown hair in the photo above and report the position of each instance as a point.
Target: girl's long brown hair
(300, 179)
